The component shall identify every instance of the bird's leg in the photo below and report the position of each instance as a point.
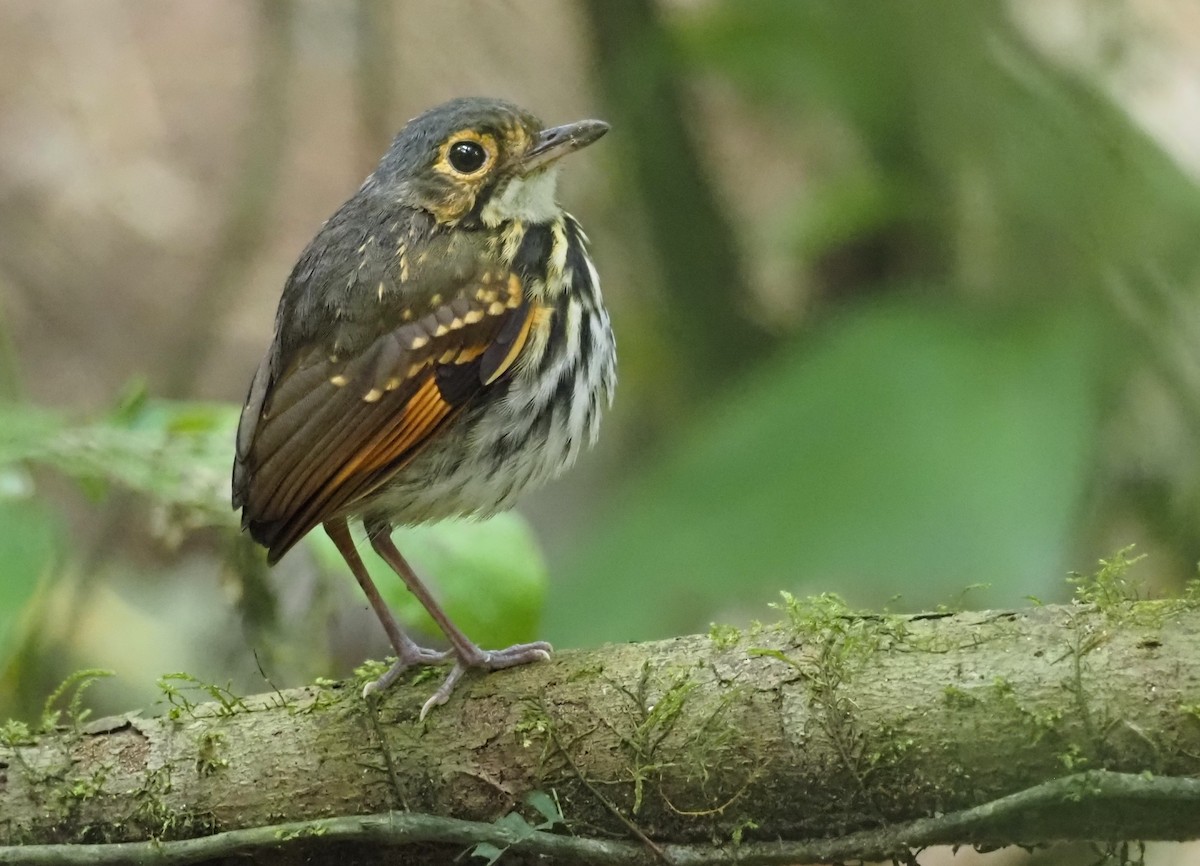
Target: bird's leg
(468, 655)
(408, 653)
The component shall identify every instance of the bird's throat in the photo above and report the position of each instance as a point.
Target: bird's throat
(524, 198)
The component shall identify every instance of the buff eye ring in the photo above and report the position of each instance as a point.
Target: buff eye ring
(467, 157)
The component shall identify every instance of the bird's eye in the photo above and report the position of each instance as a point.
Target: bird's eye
(467, 156)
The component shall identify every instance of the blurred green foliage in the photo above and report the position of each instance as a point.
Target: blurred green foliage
(176, 454)
(958, 454)
(172, 454)
(28, 531)
(1016, 177)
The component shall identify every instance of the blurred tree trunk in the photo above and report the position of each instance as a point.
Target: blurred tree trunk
(375, 77)
(704, 284)
(250, 197)
(833, 737)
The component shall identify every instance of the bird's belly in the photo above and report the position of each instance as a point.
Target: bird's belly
(508, 444)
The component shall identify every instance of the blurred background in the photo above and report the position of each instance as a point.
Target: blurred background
(906, 297)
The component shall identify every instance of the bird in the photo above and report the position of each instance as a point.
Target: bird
(440, 346)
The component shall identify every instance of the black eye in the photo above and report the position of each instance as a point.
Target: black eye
(467, 156)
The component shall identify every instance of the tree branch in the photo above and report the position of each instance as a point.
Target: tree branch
(832, 737)
(402, 829)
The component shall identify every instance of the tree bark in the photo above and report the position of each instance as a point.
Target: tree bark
(829, 737)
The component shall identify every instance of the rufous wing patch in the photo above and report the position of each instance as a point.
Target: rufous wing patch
(425, 410)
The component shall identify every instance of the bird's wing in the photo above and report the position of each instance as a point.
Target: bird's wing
(326, 431)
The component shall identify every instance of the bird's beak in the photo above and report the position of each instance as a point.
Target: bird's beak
(558, 141)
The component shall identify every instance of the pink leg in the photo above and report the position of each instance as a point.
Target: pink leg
(408, 653)
(468, 654)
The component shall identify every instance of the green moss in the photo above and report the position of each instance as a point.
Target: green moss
(1073, 759)
(712, 752)
(663, 713)
(849, 637)
(956, 698)
(1110, 586)
(311, 830)
(657, 718)
(424, 674)
(589, 672)
(155, 818)
(1109, 591)
(837, 643)
(534, 725)
(1044, 721)
(1191, 593)
(87, 787)
(896, 744)
(54, 783)
(208, 759)
(724, 636)
(63, 794)
(1040, 722)
(326, 697)
(75, 713)
(536, 729)
(739, 830)
(369, 671)
(183, 692)
(659, 702)
(814, 614)
(14, 733)
(959, 604)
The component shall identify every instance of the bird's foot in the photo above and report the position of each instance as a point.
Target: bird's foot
(410, 656)
(474, 658)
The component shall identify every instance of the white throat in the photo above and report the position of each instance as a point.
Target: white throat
(527, 199)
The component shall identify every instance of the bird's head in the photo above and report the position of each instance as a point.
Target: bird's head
(480, 158)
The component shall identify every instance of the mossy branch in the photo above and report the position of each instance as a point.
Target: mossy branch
(831, 737)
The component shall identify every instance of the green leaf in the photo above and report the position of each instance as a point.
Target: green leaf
(30, 535)
(178, 453)
(489, 851)
(547, 807)
(515, 824)
(910, 450)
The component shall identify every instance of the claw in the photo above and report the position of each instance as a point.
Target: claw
(487, 660)
(418, 656)
(444, 690)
